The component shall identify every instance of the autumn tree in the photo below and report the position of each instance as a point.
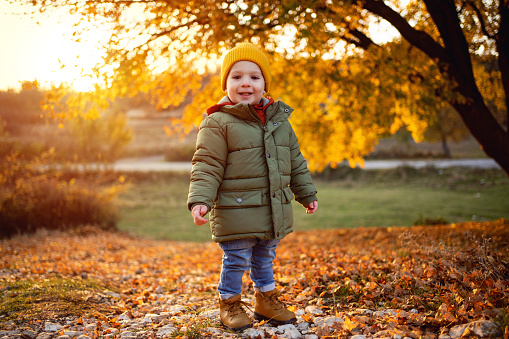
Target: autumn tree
(350, 87)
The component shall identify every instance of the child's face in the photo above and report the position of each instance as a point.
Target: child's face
(245, 83)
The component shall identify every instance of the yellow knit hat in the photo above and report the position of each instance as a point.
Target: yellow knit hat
(246, 51)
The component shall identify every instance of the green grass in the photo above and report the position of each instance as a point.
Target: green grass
(155, 206)
(400, 206)
(47, 299)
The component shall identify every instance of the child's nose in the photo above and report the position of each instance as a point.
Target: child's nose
(246, 82)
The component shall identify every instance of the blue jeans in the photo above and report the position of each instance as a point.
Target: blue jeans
(242, 255)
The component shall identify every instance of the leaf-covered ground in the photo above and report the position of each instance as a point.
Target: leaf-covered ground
(436, 277)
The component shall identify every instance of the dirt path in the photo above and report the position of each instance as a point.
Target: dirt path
(157, 163)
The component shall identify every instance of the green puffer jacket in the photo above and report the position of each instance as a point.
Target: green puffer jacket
(247, 173)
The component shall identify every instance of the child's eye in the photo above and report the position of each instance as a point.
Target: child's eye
(255, 77)
(236, 77)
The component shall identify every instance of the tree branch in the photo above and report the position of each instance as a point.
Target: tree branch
(502, 41)
(363, 41)
(443, 13)
(419, 39)
(481, 19)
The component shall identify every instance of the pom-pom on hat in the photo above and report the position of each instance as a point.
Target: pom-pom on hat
(246, 51)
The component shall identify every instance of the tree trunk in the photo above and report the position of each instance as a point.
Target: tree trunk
(445, 147)
(458, 66)
(491, 136)
(453, 60)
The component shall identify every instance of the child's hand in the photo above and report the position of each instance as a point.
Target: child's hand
(198, 212)
(313, 206)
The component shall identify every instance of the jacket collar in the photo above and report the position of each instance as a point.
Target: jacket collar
(279, 111)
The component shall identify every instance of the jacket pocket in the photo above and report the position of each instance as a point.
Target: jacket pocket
(288, 194)
(239, 199)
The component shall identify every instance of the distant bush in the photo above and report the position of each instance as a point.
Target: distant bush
(430, 221)
(21, 108)
(180, 153)
(33, 197)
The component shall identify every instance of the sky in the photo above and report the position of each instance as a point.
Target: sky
(35, 47)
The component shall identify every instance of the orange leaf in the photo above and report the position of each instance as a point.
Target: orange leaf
(349, 325)
(307, 317)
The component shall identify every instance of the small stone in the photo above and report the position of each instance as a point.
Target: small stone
(384, 334)
(480, 328)
(63, 337)
(84, 336)
(303, 326)
(310, 336)
(292, 333)
(210, 314)
(159, 290)
(112, 294)
(328, 321)
(252, 333)
(283, 328)
(271, 331)
(177, 309)
(299, 312)
(73, 334)
(315, 310)
(444, 336)
(29, 333)
(152, 318)
(358, 336)
(364, 311)
(90, 327)
(52, 327)
(10, 325)
(128, 334)
(385, 313)
(44, 335)
(124, 316)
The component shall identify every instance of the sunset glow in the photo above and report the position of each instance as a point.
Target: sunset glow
(46, 51)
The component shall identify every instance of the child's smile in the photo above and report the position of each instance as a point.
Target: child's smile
(245, 83)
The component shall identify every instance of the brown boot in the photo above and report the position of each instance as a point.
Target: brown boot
(232, 314)
(268, 307)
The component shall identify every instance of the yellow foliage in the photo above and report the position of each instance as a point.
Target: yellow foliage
(323, 56)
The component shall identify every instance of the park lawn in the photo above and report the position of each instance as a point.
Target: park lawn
(349, 207)
(155, 206)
